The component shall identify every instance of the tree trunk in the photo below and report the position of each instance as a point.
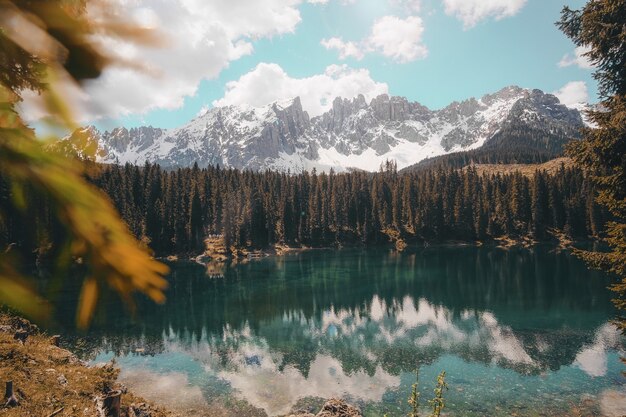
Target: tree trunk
(111, 404)
(9, 395)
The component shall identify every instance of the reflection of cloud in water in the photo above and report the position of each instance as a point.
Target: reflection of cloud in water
(593, 358)
(162, 388)
(439, 327)
(369, 330)
(261, 383)
(273, 373)
(613, 403)
(503, 343)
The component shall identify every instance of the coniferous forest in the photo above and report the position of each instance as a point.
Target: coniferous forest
(174, 211)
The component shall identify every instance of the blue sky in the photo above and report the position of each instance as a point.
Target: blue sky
(455, 58)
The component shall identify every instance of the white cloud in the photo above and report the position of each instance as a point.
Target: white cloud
(411, 5)
(399, 39)
(573, 93)
(577, 59)
(326, 1)
(268, 83)
(391, 36)
(346, 49)
(470, 12)
(202, 38)
(203, 110)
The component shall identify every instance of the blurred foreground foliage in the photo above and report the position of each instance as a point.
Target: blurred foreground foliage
(41, 43)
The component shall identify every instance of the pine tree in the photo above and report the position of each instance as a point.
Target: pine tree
(599, 26)
(540, 213)
(195, 224)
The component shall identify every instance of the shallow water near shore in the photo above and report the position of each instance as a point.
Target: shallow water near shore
(519, 332)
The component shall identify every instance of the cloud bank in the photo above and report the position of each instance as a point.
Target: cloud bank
(202, 38)
(268, 83)
(573, 93)
(391, 36)
(471, 12)
(578, 58)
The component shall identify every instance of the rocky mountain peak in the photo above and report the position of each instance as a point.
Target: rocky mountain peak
(391, 108)
(351, 134)
(292, 116)
(537, 107)
(506, 93)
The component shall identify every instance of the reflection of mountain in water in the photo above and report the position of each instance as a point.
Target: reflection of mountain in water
(394, 339)
(361, 357)
(354, 323)
(529, 310)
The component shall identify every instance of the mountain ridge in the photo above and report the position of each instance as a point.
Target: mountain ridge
(351, 134)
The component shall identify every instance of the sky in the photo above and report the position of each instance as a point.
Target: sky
(254, 52)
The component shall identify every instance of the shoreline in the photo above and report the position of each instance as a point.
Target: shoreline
(50, 380)
(220, 255)
(215, 410)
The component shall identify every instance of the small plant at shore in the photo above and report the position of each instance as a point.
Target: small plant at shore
(414, 399)
(438, 403)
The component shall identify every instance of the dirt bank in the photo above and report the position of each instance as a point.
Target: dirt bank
(48, 379)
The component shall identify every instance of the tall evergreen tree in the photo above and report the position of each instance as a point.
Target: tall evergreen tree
(600, 26)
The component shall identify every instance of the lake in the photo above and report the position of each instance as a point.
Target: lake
(521, 332)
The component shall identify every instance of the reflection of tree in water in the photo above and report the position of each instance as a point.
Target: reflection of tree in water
(546, 302)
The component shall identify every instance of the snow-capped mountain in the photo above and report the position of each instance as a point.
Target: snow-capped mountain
(352, 134)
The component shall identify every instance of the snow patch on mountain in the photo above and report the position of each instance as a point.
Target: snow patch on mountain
(353, 134)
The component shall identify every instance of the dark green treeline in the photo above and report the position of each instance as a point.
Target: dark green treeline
(173, 211)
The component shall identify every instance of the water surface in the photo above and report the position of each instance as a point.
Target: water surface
(523, 332)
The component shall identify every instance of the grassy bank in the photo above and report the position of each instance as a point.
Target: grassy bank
(48, 379)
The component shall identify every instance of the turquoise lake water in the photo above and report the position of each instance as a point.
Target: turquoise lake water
(521, 332)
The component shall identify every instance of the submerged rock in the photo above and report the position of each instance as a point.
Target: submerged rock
(333, 408)
(338, 408)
